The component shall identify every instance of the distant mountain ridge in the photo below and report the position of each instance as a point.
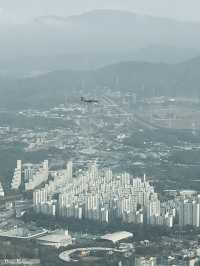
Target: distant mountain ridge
(94, 39)
(100, 30)
(145, 79)
(110, 15)
(88, 42)
(125, 29)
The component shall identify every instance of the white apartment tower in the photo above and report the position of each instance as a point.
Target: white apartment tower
(69, 171)
(153, 208)
(93, 171)
(17, 177)
(2, 194)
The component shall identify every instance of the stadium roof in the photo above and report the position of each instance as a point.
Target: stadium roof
(117, 236)
(55, 237)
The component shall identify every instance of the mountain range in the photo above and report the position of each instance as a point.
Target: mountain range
(94, 39)
(143, 78)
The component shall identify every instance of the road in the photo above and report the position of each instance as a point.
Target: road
(20, 262)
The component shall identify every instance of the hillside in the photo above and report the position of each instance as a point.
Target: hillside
(146, 79)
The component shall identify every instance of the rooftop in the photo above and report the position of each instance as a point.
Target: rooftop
(55, 237)
(117, 236)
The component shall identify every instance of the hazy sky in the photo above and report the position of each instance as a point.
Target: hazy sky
(18, 10)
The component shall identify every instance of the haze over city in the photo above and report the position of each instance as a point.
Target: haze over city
(100, 132)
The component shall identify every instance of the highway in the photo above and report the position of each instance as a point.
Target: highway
(134, 116)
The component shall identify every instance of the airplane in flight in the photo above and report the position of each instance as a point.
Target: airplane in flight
(83, 99)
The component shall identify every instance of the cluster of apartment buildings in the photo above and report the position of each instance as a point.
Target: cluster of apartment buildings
(29, 176)
(185, 207)
(101, 196)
